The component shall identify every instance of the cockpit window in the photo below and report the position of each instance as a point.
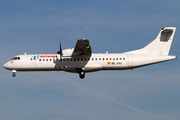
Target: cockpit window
(15, 58)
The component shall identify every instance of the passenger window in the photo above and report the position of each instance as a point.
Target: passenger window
(81, 59)
(74, 59)
(120, 58)
(116, 58)
(99, 58)
(106, 58)
(84, 59)
(43, 59)
(96, 58)
(92, 59)
(49, 59)
(46, 59)
(39, 59)
(123, 58)
(103, 58)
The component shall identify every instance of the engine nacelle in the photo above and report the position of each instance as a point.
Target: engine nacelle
(67, 52)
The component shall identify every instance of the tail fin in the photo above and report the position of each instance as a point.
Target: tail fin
(161, 45)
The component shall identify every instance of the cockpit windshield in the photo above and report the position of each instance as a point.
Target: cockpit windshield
(15, 58)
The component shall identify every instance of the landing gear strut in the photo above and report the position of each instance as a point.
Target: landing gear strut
(81, 73)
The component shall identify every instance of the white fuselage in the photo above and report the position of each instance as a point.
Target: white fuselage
(81, 59)
(96, 62)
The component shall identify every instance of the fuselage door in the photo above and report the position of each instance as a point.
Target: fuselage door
(130, 60)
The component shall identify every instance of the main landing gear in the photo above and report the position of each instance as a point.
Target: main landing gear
(14, 73)
(81, 73)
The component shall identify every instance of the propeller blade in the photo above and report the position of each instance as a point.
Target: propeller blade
(60, 49)
(60, 52)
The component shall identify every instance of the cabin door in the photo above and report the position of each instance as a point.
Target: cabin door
(130, 60)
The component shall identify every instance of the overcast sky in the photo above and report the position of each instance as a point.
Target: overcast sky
(37, 26)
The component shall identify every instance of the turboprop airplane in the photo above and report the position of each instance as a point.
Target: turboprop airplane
(81, 60)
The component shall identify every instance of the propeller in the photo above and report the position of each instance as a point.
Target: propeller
(60, 52)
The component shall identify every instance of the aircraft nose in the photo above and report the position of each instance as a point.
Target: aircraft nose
(5, 66)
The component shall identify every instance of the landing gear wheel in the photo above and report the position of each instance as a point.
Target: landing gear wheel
(14, 75)
(81, 73)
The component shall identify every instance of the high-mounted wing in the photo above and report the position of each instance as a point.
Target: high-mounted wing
(82, 48)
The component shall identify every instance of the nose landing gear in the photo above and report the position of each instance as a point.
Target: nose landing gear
(14, 73)
(81, 73)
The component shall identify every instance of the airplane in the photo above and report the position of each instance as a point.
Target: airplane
(81, 60)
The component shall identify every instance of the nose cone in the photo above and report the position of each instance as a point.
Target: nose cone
(5, 66)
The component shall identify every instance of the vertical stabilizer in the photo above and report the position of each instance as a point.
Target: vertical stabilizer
(161, 45)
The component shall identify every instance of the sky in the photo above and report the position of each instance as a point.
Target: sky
(37, 27)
